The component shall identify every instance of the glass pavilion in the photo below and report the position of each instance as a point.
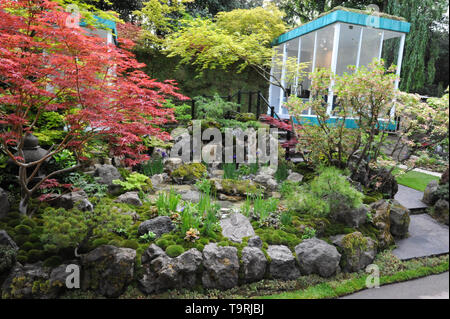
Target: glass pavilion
(337, 40)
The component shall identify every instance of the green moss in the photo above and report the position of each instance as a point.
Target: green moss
(353, 242)
(129, 243)
(99, 242)
(162, 243)
(238, 187)
(174, 250)
(28, 222)
(27, 246)
(200, 247)
(53, 261)
(189, 172)
(245, 117)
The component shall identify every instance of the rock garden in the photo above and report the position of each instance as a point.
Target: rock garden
(105, 188)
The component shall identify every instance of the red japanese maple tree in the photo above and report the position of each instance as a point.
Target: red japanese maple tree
(47, 65)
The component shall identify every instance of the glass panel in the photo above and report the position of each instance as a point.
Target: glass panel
(370, 47)
(324, 47)
(348, 47)
(391, 45)
(306, 55)
(275, 91)
(289, 76)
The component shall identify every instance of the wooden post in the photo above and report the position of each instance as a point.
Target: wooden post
(258, 105)
(239, 101)
(193, 109)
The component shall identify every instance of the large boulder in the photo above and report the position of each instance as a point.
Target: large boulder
(108, 270)
(430, 194)
(380, 211)
(316, 256)
(399, 218)
(31, 281)
(4, 203)
(357, 251)
(295, 177)
(282, 263)
(354, 217)
(6, 240)
(78, 199)
(7, 260)
(441, 211)
(236, 226)
(160, 272)
(159, 225)
(221, 267)
(266, 180)
(106, 174)
(172, 163)
(254, 264)
(130, 198)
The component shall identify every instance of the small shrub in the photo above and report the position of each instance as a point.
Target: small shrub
(308, 233)
(53, 261)
(174, 250)
(330, 191)
(135, 181)
(147, 237)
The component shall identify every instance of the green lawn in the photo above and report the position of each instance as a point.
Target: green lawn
(338, 288)
(416, 180)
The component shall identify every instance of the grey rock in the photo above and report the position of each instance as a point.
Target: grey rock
(221, 267)
(429, 195)
(191, 196)
(316, 256)
(159, 179)
(267, 170)
(159, 225)
(105, 174)
(236, 226)
(58, 277)
(255, 241)
(77, 200)
(399, 218)
(130, 198)
(172, 163)
(357, 251)
(351, 217)
(108, 270)
(283, 265)
(254, 264)
(6, 240)
(4, 203)
(162, 272)
(29, 275)
(295, 177)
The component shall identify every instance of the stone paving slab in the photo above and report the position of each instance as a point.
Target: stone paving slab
(410, 198)
(427, 237)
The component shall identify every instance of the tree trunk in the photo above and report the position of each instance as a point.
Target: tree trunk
(23, 205)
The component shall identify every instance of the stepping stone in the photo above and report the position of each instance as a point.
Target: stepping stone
(410, 198)
(427, 237)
